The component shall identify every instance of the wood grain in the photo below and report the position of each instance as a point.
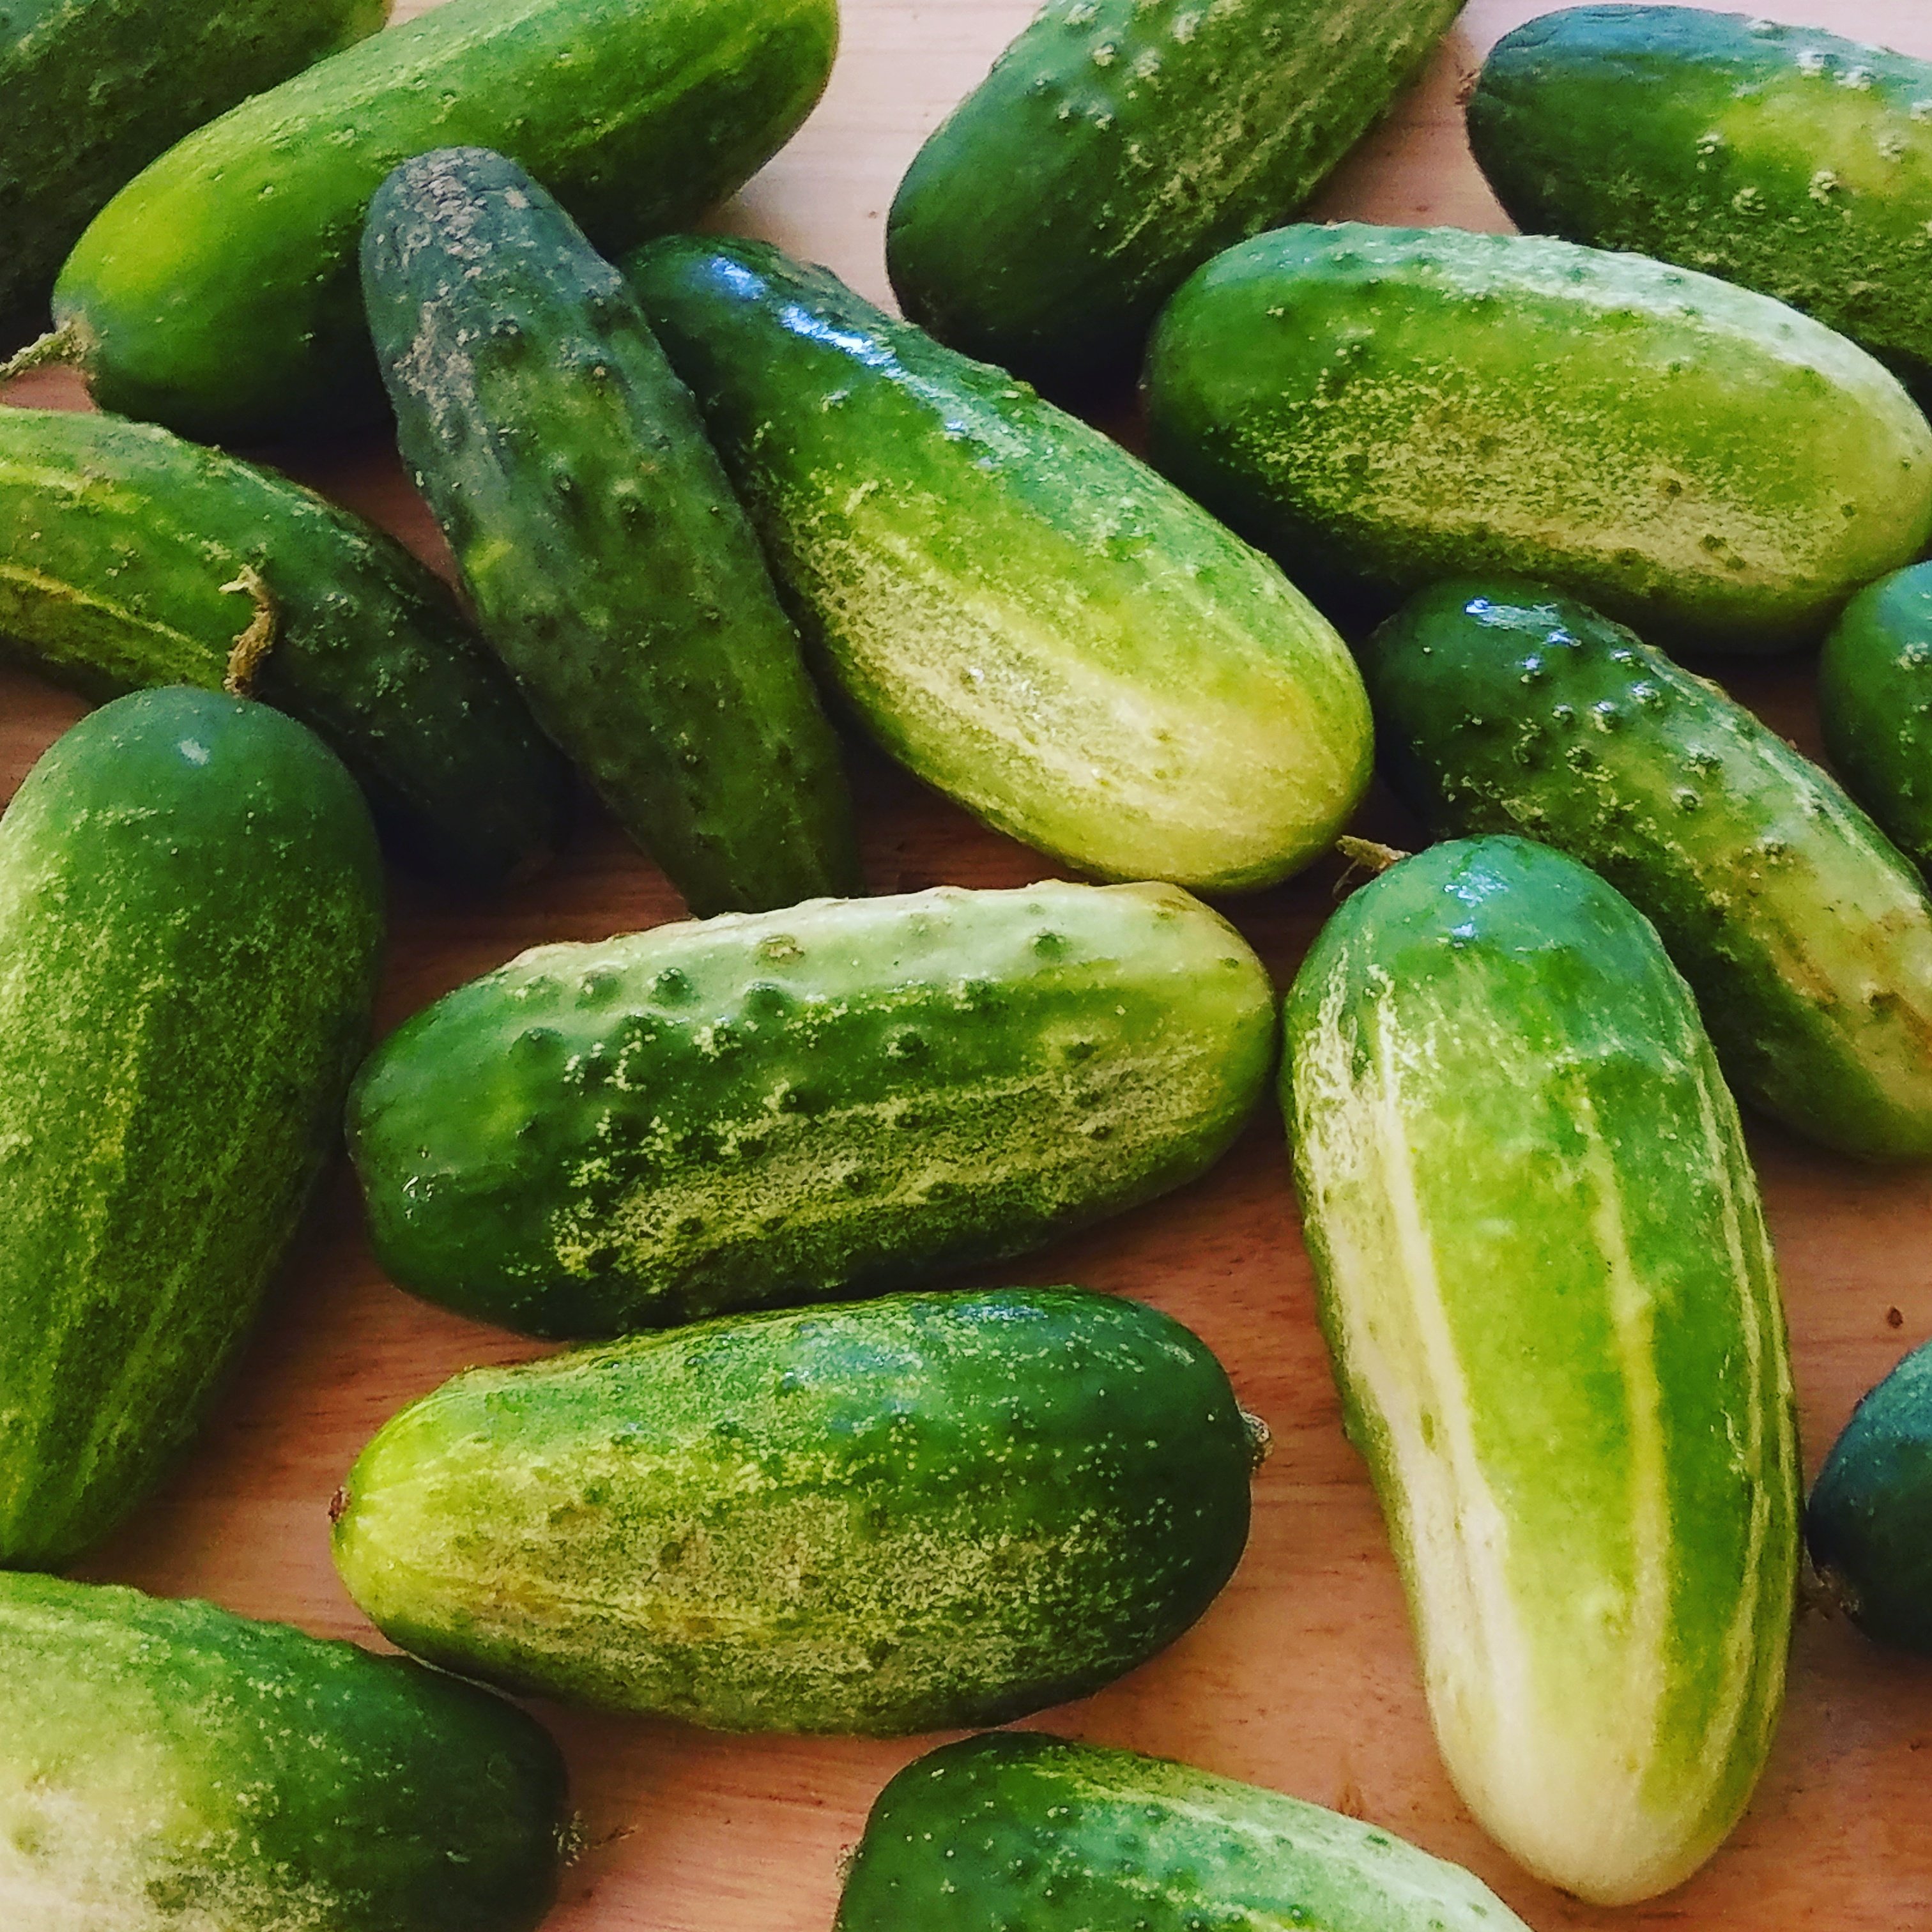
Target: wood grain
(1302, 1677)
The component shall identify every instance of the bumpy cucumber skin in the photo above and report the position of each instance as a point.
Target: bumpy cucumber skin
(190, 903)
(1114, 147)
(167, 1764)
(1384, 407)
(117, 543)
(1806, 937)
(1024, 615)
(1013, 1828)
(900, 1516)
(1551, 1303)
(850, 1095)
(217, 292)
(610, 565)
(1782, 157)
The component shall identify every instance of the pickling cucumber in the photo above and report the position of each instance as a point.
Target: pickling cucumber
(1806, 937)
(1552, 1307)
(610, 565)
(190, 922)
(167, 1767)
(900, 1516)
(1384, 407)
(850, 1095)
(1022, 612)
(1118, 144)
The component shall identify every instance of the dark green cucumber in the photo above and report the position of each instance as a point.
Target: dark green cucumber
(166, 1766)
(1021, 612)
(1016, 1829)
(900, 1515)
(1806, 937)
(191, 923)
(1782, 157)
(216, 292)
(610, 565)
(1384, 407)
(850, 1095)
(126, 556)
(1114, 147)
(95, 89)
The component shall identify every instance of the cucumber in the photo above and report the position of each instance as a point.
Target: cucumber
(167, 1767)
(850, 1095)
(1013, 1828)
(127, 557)
(1383, 407)
(609, 563)
(216, 292)
(95, 89)
(1806, 937)
(1544, 1277)
(1782, 157)
(1114, 147)
(931, 1510)
(1023, 614)
(190, 918)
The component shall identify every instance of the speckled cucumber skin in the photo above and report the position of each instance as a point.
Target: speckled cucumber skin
(1384, 407)
(168, 1767)
(118, 545)
(1114, 147)
(190, 922)
(1549, 1298)
(898, 1515)
(1782, 157)
(850, 1095)
(1016, 1829)
(609, 563)
(217, 292)
(1806, 937)
(1022, 612)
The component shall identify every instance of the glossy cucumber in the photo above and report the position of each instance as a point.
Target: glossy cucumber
(849, 1095)
(1384, 407)
(1549, 1298)
(609, 563)
(190, 919)
(1022, 612)
(1806, 937)
(898, 1515)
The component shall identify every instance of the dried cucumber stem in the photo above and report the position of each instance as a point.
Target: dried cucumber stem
(255, 643)
(1260, 1439)
(60, 345)
(1364, 855)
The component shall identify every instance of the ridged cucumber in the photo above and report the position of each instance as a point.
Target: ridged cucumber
(1551, 1303)
(852, 1094)
(1806, 937)
(900, 1516)
(1383, 407)
(610, 565)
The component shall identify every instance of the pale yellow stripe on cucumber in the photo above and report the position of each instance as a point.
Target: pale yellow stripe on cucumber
(53, 590)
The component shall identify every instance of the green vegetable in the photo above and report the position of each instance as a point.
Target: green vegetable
(1022, 612)
(1552, 1306)
(849, 1095)
(1384, 407)
(609, 563)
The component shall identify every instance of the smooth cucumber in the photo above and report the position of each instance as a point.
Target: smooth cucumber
(1012, 1829)
(1550, 1301)
(900, 1516)
(190, 922)
(1114, 147)
(1806, 938)
(167, 1767)
(1384, 407)
(852, 1094)
(1022, 612)
(610, 565)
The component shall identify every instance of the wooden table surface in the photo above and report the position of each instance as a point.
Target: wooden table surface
(1302, 1677)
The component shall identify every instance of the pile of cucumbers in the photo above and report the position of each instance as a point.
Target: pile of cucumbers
(1446, 497)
